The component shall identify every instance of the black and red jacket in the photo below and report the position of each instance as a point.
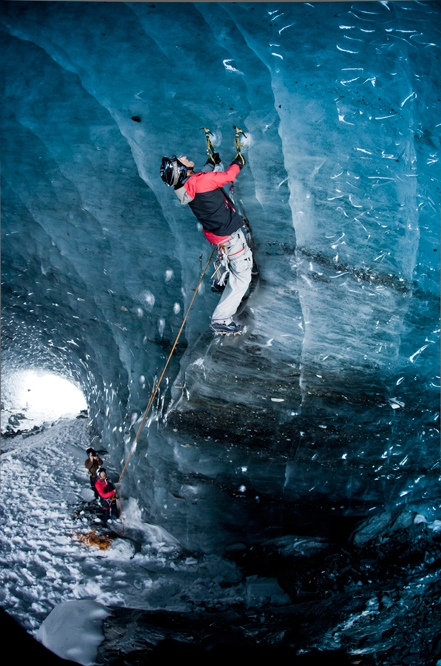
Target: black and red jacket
(103, 489)
(203, 192)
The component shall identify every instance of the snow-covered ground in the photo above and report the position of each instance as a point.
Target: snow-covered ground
(42, 563)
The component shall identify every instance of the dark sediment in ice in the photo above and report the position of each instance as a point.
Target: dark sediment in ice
(372, 597)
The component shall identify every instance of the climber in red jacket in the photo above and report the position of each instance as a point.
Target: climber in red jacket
(107, 496)
(221, 224)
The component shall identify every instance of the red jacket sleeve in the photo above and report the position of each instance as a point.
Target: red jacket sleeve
(208, 181)
(100, 490)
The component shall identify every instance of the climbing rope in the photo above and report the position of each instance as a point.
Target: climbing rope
(89, 540)
(93, 538)
(210, 152)
(156, 387)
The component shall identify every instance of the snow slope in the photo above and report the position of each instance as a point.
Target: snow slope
(42, 564)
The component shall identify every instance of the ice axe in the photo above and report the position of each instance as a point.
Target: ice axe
(210, 147)
(238, 144)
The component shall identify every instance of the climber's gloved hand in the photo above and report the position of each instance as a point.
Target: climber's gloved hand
(213, 159)
(239, 160)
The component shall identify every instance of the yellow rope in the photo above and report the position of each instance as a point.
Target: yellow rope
(155, 390)
(93, 538)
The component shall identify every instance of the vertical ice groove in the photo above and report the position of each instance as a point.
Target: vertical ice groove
(259, 196)
(63, 171)
(57, 54)
(407, 197)
(41, 221)
(280, 93)
(137, 12)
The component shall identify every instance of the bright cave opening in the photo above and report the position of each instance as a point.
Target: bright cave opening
(33, 397)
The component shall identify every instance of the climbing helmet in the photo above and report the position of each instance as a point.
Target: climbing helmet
(172, 171)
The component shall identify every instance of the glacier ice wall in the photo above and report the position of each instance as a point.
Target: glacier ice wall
(329, 404)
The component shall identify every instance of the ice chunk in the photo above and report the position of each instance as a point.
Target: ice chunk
(73, 630)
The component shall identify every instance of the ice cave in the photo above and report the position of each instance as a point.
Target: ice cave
(284, 492)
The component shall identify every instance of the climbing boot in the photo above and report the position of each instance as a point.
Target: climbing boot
(221, 328)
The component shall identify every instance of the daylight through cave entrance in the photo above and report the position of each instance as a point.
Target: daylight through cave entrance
(33, 397)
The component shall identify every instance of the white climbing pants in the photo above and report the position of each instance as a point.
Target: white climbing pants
(240, 259)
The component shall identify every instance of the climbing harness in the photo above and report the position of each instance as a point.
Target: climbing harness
(156, 387)
(238, 144)
(221, 271)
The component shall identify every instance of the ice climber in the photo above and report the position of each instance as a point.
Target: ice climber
(92, 463)
(221, 225)
(107, 494)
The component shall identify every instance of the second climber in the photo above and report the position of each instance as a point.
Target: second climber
(107, 496)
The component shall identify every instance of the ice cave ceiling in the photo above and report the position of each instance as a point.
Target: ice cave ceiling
(329, 403)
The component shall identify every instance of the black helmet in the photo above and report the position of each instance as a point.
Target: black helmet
(90, 451)
(172, 171)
